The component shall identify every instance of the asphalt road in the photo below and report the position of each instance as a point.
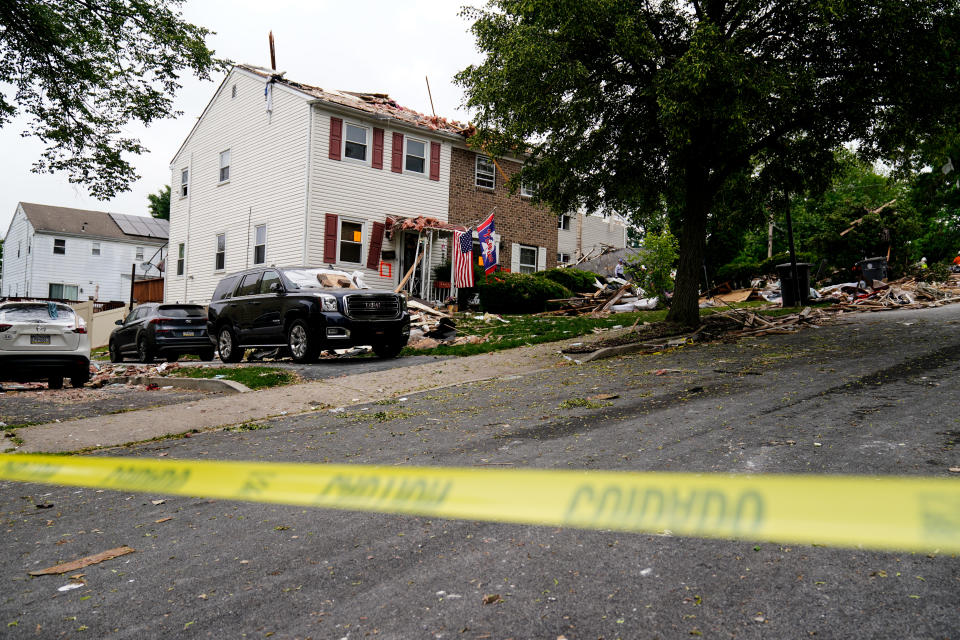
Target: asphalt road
(874, 394)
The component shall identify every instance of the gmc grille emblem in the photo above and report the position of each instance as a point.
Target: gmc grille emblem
(371, 305)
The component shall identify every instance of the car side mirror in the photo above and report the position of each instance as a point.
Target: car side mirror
(118, 322)
(276, 287)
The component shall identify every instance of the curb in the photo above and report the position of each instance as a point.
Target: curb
(195, 384)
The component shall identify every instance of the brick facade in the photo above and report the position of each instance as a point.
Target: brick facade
(516, 218)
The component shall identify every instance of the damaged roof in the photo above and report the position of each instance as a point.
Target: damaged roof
(377, 104)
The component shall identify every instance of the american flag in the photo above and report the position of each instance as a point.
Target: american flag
(463, 258)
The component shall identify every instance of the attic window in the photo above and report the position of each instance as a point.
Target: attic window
(59, 246)
(233, 91)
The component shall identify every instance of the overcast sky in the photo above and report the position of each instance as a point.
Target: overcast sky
(361, 45)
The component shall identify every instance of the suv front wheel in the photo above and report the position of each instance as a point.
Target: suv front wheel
(302, 346)
(227, 345)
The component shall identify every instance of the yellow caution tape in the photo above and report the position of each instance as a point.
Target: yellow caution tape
(896, 513)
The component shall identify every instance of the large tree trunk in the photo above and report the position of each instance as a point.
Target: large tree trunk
(685, 308)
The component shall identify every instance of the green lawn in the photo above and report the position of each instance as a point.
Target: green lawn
(255, 377)
(529, 329)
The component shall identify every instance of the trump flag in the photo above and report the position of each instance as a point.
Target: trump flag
(485, 236)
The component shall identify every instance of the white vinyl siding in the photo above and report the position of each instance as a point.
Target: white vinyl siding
(104, 277)
(597, 232)
(363, 194)
(267, 185)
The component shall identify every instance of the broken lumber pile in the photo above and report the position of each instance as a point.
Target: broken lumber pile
(740, 322)
(615, 296)
(906, 293)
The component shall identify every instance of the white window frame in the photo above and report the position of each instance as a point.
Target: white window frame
(563, 258)
(95, 248)
(63, 246)
(256, 243)
(521, 264)
(138, 256)
(527, 190)
(367, 145)
(220, 254)
(406, 154)
(223, 179)
(341, 240)
(484, 175)
(563, 222)
(184, 182)
(181, 258)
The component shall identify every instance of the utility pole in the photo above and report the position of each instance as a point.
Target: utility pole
(793, 252)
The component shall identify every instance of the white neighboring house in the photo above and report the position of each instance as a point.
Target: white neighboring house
(581, 235)
(281, 173)
(76, 254)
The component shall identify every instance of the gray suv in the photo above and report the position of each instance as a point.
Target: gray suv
(306, 310)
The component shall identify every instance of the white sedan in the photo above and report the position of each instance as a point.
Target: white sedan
(43, 341)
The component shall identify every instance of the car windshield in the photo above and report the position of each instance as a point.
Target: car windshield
(36, 312)
(321, 279)
(181, 311)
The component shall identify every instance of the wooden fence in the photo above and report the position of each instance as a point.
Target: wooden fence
(148, 290)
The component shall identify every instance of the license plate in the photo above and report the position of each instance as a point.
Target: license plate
(35, 339)
(188, 334)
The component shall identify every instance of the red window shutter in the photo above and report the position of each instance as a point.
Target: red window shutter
(336, 137)
(377, 148)
(434, 160)
(396, 164)
(376, 243)
(330, 240)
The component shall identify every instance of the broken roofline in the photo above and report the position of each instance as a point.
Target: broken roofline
(376, 105)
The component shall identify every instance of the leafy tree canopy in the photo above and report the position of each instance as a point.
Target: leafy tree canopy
(159, 203)
(81, 70)
(636, 104)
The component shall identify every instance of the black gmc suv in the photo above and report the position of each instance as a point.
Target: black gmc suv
(305, 309)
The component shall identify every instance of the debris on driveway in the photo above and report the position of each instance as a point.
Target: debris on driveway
(66, 567)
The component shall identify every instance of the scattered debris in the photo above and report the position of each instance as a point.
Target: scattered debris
(66, 567)
(492, 598)
(70, 586)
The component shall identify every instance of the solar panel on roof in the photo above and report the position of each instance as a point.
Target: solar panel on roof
(141, 225)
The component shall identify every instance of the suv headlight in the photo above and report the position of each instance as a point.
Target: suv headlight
(328, 302)
(403, 303)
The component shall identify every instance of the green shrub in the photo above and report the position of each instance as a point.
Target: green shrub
(652, 264)
(738, 272)
(503, 292)
(576, 280)
(935, 272)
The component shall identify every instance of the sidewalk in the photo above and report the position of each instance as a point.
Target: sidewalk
(145, 424)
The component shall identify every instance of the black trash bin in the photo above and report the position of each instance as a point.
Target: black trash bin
(786, 283)
(873, 269)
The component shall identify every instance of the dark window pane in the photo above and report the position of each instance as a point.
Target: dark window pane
(249, 285)
(259, 254)
(349, 252)
(355, 151)
(415, 164)
(219, 262)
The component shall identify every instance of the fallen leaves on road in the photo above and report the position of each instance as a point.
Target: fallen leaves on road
(66, 567)
(492, 598)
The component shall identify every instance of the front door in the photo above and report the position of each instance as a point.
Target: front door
(407, 259)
